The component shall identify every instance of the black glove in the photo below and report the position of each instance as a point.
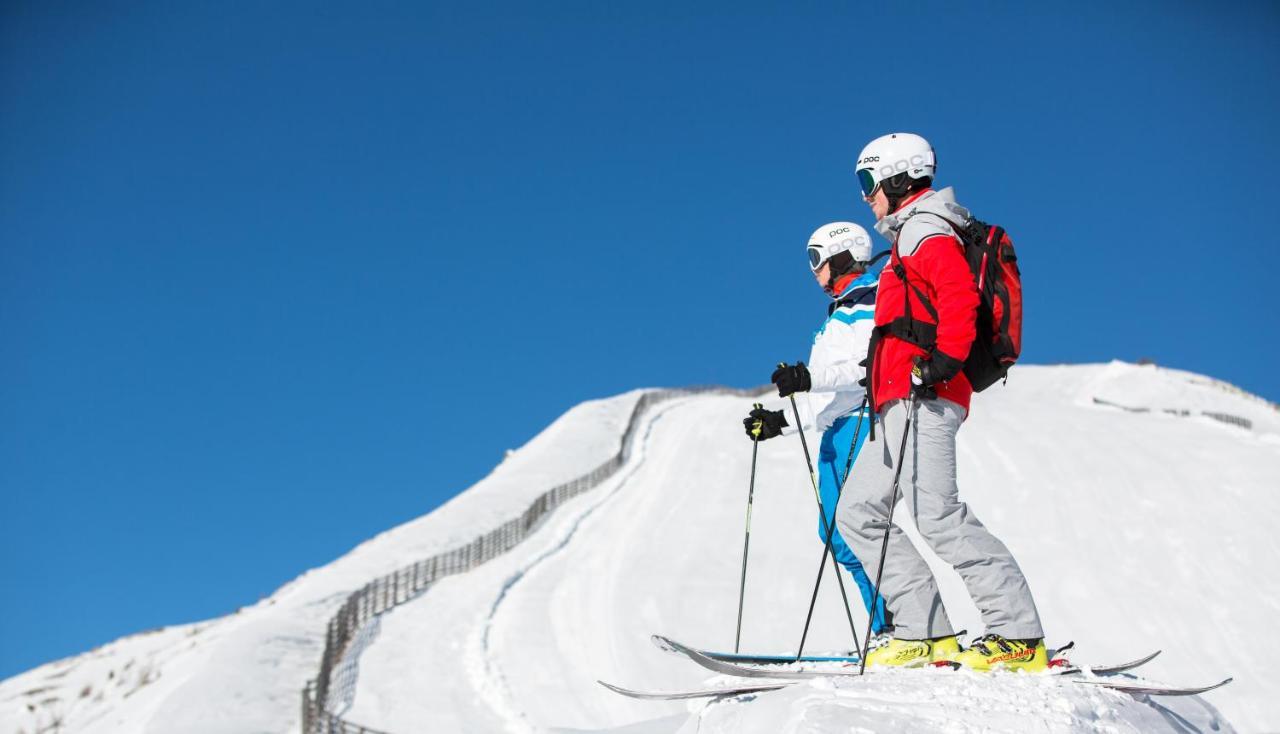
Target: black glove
(769, 423)
(929, 371)
(791, 379)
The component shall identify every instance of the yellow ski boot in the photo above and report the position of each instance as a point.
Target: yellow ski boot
(912, 653)
(944, 648)
(992, 652)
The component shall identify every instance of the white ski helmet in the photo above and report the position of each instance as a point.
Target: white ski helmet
(832, 239)
(892, 154)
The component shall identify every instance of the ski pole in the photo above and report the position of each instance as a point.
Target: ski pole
(746, 541)
(817, 495)
(888, 524)
(853, 445)
(813, 600)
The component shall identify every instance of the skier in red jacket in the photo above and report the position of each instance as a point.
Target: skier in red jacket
(926, 306)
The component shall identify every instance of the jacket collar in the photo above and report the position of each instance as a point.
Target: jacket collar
(869, 279)
(941, 202)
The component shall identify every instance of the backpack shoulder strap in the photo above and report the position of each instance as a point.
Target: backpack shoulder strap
(900, 270)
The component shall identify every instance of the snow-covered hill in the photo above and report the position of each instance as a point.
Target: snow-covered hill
(244, 672)
(1136, 529)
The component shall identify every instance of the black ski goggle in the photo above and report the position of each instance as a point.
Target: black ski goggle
(867, 181)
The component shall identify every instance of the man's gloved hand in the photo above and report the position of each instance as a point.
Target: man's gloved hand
(791, 378)
(929, 371)
(764, 424)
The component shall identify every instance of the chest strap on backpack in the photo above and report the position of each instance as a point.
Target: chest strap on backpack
(911, 330)
(914, 331)
(867, 383)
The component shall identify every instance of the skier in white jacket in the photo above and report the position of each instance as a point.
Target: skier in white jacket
(840, 258)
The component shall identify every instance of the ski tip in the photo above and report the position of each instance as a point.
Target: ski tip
(668, 644)
(627, 691)
(1153, 689)
(630, 693)
(664, 643)
(1147, 659)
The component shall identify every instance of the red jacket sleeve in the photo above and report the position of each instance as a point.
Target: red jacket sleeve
(940, 261)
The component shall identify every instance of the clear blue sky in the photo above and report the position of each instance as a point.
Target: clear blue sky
(275, 277)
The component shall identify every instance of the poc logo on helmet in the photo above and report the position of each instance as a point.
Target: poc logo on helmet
(835, 232)
(869, 159)
(914, 162)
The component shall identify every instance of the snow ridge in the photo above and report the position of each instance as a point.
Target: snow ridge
(481, 664)
(349, 625)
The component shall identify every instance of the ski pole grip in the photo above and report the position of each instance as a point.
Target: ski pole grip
(758, 425)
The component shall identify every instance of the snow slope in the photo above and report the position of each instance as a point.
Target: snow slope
(1136, 530)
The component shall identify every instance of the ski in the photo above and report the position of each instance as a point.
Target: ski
(759, 659)
(1149, 689)
(745, 671)
(1120, 668)
(1060, 666)
(749, 659)
(697, 693)
(1132, 688)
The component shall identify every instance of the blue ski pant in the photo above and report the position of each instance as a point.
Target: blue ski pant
(833, 457)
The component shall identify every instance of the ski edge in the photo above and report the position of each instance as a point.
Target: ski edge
(696, 693)
(743, 671)
(664, 644)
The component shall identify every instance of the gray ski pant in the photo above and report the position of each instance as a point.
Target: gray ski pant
(932, 500)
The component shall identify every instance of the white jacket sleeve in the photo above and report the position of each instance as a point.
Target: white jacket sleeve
(844, 348)
(835, 369)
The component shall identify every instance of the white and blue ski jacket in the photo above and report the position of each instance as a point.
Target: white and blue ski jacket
(838, 349)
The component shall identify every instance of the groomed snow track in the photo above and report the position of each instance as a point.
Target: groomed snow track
(363, 606)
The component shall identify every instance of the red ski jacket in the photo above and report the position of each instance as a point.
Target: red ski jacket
(934, 263)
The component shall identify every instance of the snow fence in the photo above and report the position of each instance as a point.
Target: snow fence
(1227, 418)
(387, 592)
